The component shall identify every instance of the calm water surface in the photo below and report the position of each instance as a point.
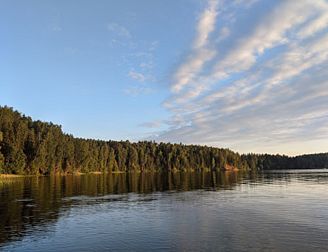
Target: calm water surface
(276, 211)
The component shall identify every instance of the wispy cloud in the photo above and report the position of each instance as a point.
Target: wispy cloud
(261, 89)
(153, 124)
(206, 24)
(141, 73)
(55, 27)
(119, 30)
(142, 85)
(137, 76)
(138, 90)
(200, 54)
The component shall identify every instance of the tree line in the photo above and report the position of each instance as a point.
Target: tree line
(278, 162)
(36, 147)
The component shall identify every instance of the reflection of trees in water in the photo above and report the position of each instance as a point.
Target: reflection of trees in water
(33, 203)
(25, 203)
(287, 176)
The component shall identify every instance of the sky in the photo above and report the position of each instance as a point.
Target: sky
(249, 75)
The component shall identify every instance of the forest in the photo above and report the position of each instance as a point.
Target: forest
(42, 148)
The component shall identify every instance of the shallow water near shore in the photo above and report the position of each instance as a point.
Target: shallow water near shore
(231, 211)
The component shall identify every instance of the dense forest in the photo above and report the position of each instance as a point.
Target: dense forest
(35, 147)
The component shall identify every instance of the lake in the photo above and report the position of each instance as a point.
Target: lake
(231, 211)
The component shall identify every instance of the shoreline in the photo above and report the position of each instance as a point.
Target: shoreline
(6, 175)
(16, 175)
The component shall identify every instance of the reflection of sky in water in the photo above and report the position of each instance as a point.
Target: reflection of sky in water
(269, 211)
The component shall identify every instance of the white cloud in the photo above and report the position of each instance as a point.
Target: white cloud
(200, 54)
(269, 33)
(206, 24)
(264, 89)
(319, 22)
(190, 68)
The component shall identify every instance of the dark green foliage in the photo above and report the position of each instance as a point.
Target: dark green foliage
(2, 158)
(269, 162)
(35, 147)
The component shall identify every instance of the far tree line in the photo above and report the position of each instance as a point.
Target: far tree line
(35, 147)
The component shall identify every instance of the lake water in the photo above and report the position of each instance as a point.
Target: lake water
(276, 211)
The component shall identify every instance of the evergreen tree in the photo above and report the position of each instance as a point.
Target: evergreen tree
(35, 147)
(2, 158)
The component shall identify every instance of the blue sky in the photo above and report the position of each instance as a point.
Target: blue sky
(245, 74)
